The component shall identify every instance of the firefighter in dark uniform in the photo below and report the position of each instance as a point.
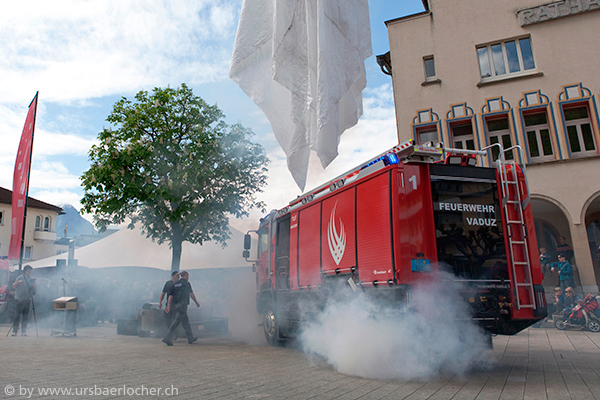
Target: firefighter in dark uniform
(177, 303)
(167, 289)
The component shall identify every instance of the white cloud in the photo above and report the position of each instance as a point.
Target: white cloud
(58, 197)
(80, 49)
(75, 51)
(53, 175)
(55, 144)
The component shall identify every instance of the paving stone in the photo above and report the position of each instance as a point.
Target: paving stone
(540, 363)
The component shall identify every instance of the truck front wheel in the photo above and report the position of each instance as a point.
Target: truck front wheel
(271, 328)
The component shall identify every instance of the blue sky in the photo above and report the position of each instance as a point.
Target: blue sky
(82, 56)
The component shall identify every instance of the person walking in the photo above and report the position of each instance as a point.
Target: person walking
(24, 289)
(178, 301)
(167, 289)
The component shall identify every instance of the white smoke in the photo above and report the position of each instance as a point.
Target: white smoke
(244, 319)
(435, 337)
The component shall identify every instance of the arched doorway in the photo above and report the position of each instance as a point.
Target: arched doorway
(550, 223)
(592, 225)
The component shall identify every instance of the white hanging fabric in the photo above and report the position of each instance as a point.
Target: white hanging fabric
(302, 63)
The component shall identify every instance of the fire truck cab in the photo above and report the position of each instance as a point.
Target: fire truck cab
(397, 220)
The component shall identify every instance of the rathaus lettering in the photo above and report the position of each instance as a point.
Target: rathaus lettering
(556, 9)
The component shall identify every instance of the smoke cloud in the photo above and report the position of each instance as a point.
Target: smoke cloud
(244, 319)
(107, 295)
(434, 337)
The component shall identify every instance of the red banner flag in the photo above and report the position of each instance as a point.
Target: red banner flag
(21, 183)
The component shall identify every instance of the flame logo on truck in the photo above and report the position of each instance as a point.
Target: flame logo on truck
(337, 242)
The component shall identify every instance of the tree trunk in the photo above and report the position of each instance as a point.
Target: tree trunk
(176, 260)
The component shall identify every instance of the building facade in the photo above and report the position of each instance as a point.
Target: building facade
(471, 73)
(40, 234)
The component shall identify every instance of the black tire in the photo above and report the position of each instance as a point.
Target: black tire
(593, 325)
(271, 328)
(559, 323)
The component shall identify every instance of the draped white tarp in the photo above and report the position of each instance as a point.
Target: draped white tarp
(302, 63)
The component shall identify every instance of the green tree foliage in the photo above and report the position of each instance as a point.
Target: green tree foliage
(171, 163)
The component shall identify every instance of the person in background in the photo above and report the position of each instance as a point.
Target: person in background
(178, 301)
(559, 301)
(564, 248)
(545, 261)
(565, 272)
(167, 289)
(24, 289)
(570, 301)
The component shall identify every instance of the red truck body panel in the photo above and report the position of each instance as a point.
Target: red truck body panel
(401, 224)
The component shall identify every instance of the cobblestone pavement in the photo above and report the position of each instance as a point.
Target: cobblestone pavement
(535, 364)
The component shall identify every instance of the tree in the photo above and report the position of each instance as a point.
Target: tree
(172, 164)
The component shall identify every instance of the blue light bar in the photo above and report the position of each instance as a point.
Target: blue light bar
(392, 158)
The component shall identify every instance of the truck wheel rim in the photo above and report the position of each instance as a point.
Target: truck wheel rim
(269, 324)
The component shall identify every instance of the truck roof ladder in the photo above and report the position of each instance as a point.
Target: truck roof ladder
(405, 152)
(513, 206)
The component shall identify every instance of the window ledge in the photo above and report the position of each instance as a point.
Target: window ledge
(437, 81)
(563, 160)
(541, 159)
(584, 154)
(502, 79)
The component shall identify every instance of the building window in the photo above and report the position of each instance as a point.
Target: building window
(427, 133)
(1, 217)
(429, 66)
(537, 133)
(462, 135)
(47, 223)
(38, 223)
(579, 130)
(28, 253)
(505, 58)
(498, 131)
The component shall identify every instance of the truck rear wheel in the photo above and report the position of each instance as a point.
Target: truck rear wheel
(271, 328)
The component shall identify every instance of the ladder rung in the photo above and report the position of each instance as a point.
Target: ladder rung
(524, 284)
(513, 182)
(513, 201)
(521, 262)
(526, 306)
(515, 222)
(517, 242)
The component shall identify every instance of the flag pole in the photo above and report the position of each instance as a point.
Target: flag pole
(27, 185)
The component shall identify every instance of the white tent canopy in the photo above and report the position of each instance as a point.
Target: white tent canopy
(131, 248)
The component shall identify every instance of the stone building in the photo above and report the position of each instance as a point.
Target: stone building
(470, 73)
(40, 235)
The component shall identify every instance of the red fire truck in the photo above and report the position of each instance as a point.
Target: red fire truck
(397, 220)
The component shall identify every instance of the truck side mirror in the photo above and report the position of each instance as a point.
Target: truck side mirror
(247, 242)
(246, 254)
